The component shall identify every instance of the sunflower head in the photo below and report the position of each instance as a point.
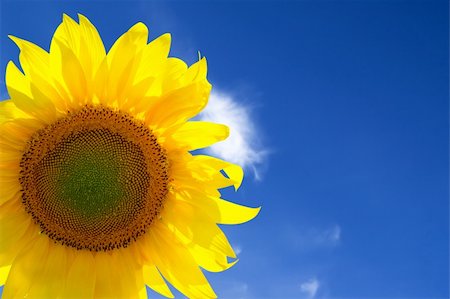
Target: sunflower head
(98, 174)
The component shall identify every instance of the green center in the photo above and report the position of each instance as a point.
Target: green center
(90, 182)
(95, 178)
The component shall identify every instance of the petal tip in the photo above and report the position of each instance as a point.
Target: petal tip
(165, 38)
(16, 40)
(66, 18)
(139, 27)
(83, 20)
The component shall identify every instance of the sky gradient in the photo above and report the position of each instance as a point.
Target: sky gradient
(340, 116)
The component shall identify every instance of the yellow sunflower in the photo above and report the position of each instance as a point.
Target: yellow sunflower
(100, 194)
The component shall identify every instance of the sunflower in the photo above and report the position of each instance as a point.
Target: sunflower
(100, 192)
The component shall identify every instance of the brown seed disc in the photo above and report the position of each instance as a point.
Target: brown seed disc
(94, 179)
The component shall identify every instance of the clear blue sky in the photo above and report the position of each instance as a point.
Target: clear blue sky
(351, 100)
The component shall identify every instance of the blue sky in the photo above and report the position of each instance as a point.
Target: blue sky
(340, 110)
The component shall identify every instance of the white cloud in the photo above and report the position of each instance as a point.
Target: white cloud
(237, 249)
(243, 146)
(310, 287)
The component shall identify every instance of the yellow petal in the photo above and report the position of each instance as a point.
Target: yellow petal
(106, 279)
(9, 111)
(172, 78)
(190, 172)
(36, 65)
(143, 294)
(68, 33)
(131, 282)
(233, 171)
(210, 260)
(201, 236)
(81, 275)
(136, 36)
(231, 213)
(83, 39)
(77, 48)
(154, 280)
(9, 153)
(17, 133)
(219, 210)
(179, 105)
(123, 60)
(92, 51)
(197, 134)
(135, 95)
(25, 98)
(26, 269)
(201, 230)
(73, 74)
(52, 275)
(196, 72)
(100, 83)
(177, 264)
(4, 271)
(154, 58)
(199, 199)
(117, 275)
(10, 189)
(11, 146)
(14, 225)
(31, 56)
(23, 240)
(178, 75)
(148, 75)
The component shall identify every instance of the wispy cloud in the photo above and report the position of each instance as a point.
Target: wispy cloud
(241, 288)
(331, 236)
(243, 146)
(310, 287)
(237, 249)
(313, 238)
(235, 290)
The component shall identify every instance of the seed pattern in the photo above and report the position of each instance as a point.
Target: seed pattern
(95, 179)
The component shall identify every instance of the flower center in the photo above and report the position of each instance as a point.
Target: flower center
(94, 179)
